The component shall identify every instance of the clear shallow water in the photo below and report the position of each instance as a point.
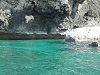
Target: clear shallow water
(48, 57)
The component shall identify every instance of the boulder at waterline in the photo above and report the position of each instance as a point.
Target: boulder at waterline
(94, 44)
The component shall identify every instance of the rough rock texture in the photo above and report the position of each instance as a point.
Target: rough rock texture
(50, 16)
(89, 33)
(4, 17)
(94, 44)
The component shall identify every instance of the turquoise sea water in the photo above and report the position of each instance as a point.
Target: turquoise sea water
(47, 57)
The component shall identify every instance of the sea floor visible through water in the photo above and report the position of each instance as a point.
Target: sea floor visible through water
(47, 57)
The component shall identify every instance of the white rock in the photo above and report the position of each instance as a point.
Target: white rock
(28, 18)
(85, 33)
(4, 16)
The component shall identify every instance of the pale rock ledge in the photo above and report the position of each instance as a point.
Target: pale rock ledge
(90, 33)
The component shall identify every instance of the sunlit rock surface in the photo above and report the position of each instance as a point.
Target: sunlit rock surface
(4, 17)
(91, 33)
(50, 16)
(28, 18)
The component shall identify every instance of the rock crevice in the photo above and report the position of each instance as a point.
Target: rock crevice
(50, 16)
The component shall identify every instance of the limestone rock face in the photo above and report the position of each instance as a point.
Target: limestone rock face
(50, 16)
(4, 17)
(89, 34)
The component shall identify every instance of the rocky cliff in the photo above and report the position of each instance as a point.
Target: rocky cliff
(47, 16)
